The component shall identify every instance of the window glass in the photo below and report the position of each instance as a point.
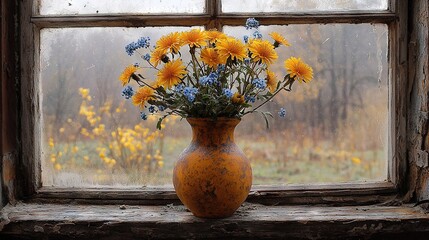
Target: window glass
(92, 136)
(256, 6)
(335, 128)
(68, 7)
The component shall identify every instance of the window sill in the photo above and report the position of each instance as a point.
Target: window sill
(250, 221)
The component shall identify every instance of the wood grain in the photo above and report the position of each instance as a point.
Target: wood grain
(171, 221)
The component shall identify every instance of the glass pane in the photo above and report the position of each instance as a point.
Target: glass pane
(337, 125)
(48, 7)
(91, 135)
(256, 6)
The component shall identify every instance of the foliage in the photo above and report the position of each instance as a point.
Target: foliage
(223, 78)
(101, 141)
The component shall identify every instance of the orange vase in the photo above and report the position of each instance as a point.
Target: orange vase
(212, 176)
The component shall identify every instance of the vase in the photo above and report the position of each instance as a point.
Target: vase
(212, 176)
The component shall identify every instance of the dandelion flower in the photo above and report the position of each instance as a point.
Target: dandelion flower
(237, 98)
(210, 57)
(279, 39)
(157, 56)
(298, 69)
(271, 81)
(142, 96)
(127, 73)
(194, 38)
(171, 74)
(231, 48)
(263, 51)
(170, 42)
(214, 35)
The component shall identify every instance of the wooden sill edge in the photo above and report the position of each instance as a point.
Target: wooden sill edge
(174, 221)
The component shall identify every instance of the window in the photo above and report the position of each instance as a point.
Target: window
(352, 46)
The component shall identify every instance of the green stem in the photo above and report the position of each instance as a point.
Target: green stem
(288, 82)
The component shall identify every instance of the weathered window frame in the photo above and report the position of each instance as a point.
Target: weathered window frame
(348, 194)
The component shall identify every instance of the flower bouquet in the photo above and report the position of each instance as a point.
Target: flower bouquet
(225, 77)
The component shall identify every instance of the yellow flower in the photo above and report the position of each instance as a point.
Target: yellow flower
(170, 42)
(160, 164)
(271, 81)
(356, 160)
(75, 149)
(214, 35)
(84, 92)
(298, 69)
(279, 39)
(127, 73)
(231, 48)
(157, 55)
(210, 57)
(84, 132)
(53, 158)
(171, 74)
(58, 167)
(194, 38)
(61, 130)
(142, 96)
(51, 142)
(237, 98)
(263, 51)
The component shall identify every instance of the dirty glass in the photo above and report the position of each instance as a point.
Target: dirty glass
(74, 7)
(335, 129)
(257, 6)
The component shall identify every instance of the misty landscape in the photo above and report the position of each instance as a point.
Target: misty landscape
(335, 130)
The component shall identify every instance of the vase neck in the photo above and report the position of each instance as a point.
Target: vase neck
(211, 132)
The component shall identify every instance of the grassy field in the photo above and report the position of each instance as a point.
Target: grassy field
(270, 164)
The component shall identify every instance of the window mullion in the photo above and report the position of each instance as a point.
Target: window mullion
(115, 20)
(284, 19)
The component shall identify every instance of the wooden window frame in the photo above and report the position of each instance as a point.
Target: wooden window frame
(336, 194)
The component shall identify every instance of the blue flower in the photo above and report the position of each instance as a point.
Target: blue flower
(179, 88)
(252, 23)
(209, 80)
(151, 109)
(130, 48)
(257, 34)
(143, 42)
(220, 69)
(227, 92)
(161, 108)
(190, 93)
(282, 112)
(247, 61)
(246, 38)
(213, 78)
(203, 80)
(127, 92)
(251, 99)
(146, 57)
(260, 83)
(143, 116)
